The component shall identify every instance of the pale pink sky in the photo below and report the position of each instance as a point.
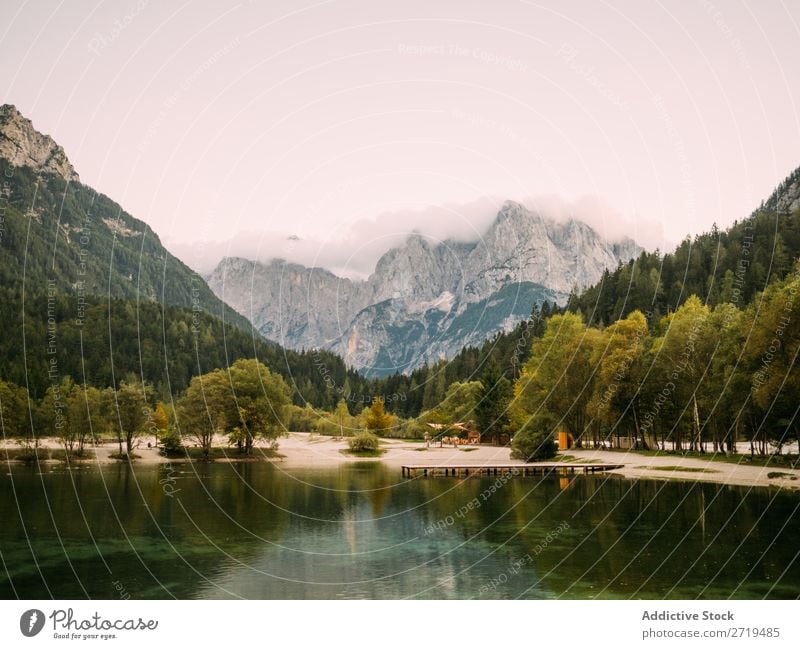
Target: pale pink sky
(215, 121)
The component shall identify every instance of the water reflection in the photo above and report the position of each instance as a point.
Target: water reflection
(254, 530)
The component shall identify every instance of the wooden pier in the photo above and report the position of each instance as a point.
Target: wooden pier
(484, 470)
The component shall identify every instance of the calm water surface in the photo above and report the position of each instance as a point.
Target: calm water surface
(360, 531)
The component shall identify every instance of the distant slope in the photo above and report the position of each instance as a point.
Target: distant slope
(86, 244)
(42, 341)
(80, 240)
(385, 339)
(729, 265)
(88, 291)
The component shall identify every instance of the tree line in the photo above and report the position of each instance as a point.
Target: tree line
(244, 402)
(700, 378)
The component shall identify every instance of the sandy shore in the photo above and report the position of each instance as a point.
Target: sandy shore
(312, 450)
(697, 470)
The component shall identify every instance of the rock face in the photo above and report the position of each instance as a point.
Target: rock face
(789, 200)
(24, 146)
(424, 301)
(786, 197)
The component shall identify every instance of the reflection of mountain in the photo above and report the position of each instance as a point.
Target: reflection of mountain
(424, 301)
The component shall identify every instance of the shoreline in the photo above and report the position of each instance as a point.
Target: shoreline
(311, 450)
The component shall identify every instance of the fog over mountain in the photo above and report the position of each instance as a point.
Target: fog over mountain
(352, 250)
(427, 297)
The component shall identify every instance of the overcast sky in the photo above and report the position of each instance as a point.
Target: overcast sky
(343, 122)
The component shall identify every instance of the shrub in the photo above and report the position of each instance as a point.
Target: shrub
(170, 441)
(301, 419)
(363, 442)
(534, 441)
(412, 429)
(26, 454)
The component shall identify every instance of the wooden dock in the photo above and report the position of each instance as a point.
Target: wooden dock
(484, 470)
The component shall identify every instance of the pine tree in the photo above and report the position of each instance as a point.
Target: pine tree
(491, 411)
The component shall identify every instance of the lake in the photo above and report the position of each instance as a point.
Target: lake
(254, 530)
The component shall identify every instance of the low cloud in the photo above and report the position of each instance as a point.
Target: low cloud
(353, 249)
(601, 217)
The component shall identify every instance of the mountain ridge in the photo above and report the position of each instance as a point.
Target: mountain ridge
(89, 291)
(80, 238)
(422, 283)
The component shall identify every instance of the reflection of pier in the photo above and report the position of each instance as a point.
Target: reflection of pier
(516, 470)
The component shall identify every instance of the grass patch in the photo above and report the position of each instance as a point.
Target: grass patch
(195, 454)
(575, 460)
(25, 455)
(124, 457)
(468, 450)
(781, 474)
(61, 455)
(787, 461)
(214, 453)
(421, 449)
(679, 469)
(366, 453)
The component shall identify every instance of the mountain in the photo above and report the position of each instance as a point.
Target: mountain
(424, 301)
(60, 233)
(23, 146)
(89, 291)
(786, 197)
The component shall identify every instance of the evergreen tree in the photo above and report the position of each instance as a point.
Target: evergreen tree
(491, 411)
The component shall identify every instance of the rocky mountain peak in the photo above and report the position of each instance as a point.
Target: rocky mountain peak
(789, 199)
(426, 299)
(510, 209)
(23, 146)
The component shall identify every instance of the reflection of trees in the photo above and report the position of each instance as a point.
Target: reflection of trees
(606, 549)
(359, 527)
(137, 516)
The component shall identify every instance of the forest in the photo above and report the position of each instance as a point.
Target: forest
(693, 350)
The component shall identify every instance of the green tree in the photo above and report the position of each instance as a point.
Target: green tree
(727, 379)
(534, 440)
(617, 358)
(53, 414)
(14, 417)
(87, 416)
(131, 412)
(678, 357)
(259, 403)
(771, 350)
(342, 419)
(203, 410)
(494, 399)
(558, 377)
(459, 403)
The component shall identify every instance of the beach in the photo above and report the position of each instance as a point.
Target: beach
(311, 450)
